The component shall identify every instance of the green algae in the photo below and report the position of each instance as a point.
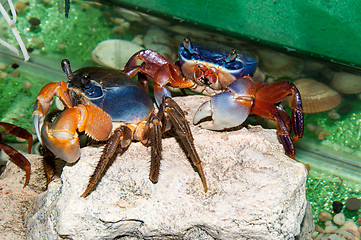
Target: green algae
(345, 131)
(73, 37)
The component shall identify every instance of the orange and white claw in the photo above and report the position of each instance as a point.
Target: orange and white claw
(63, 144)
(61, 136)
(44, 101)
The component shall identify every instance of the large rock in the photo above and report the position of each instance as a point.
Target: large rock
(16, 200)
(255, 192)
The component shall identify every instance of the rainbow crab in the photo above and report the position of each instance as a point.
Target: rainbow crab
(98, 100)
(225, 75)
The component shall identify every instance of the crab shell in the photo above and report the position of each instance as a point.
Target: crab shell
(122, 98)
(215, 57)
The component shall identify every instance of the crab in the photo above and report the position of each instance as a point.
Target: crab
(108, 106)
(14, 155)
(225, 75)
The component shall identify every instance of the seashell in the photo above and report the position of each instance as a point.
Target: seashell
(114, 53)
(346, 83)
(279, 65)
(316, 96)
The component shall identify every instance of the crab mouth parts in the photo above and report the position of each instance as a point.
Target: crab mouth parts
(204, 89)
(204, 81)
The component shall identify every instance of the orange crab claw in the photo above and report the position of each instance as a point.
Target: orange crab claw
(45, 99)
(61, 136)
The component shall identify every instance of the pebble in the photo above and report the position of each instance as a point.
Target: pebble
(314, 128)
(339, 219)
(34, 22)
(19, 6)
(331, 229)
(359, 221)
(334, 115)
(27, 85)
(337, 206)
(3, 74)
(353, 204)
(324, 216)
(14, 74)
(319, 229)
(347, 83)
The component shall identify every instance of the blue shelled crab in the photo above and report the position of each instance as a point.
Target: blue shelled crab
(97, 99)
(226, 76)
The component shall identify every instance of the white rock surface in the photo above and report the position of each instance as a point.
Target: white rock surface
(255, 192)
(16, 200)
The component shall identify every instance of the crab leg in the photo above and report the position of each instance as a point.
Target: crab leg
(178, 120)
(13, 154)
(158, 68)
(120, 140)
(271, 111)
(44, 101)
(18, 132)
(156, 148)
(279, 91)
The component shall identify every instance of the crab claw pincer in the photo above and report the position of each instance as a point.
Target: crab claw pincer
(229, 108)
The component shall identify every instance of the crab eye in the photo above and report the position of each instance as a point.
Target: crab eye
(85, 79)
(92, 90)
(188, 45)
(231, 56)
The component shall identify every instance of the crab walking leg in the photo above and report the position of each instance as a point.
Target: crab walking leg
(18, 159)
(279, 91)
(18, 132)
(13, 154)
(156, 148)
(61, 136)
(120, 140)
(269, 110)
(158, 68)
(180, 123)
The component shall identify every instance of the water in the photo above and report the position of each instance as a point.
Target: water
(332, 141)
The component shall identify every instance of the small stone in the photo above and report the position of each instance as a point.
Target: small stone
(359, 221)
(3, 74)
(19, 6)
(337, 206)
(324, 216)
(319, 229)
(353, 204)
(2, 65)
(328, 223)
(34, 22)
(334, 115)
(14, 74)
(331, 229)
(27, 85)
(339, 219)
